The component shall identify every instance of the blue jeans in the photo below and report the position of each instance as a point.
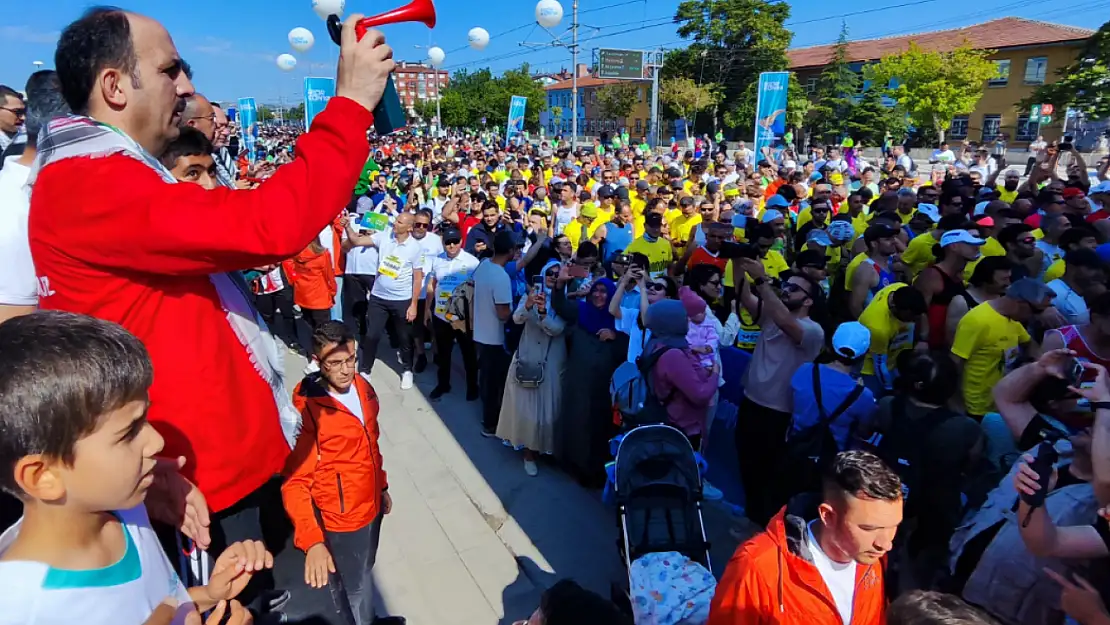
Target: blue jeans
(354, 554)
(337, 305)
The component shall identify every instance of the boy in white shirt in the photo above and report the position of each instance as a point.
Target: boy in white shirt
(78, 451)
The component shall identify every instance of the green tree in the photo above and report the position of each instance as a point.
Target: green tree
(557, 117)
(868, 120)
(733, 41)
(934, 87)
(616, 101)
(837, 88)
(470, 96)
(1084, 84)
(686, 98)
(425, 109)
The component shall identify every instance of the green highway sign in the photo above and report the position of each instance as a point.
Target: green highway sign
(1046, 120)
(626, 64)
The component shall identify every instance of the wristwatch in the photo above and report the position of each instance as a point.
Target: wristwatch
(1100, 405)
(759, 281)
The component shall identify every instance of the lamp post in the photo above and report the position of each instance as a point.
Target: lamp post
(436, 56)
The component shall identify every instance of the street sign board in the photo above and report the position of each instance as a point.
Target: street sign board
(625, 64)
(1046, 120)
(1035, 113)
(1047, 109)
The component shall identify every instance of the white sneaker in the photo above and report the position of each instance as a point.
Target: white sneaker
(406, 380)
(711, 492)
(530, 468)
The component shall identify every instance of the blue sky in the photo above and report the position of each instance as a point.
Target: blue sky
(232, 45)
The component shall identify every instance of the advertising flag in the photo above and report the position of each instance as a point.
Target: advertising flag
(516, 117)
(317, 92)
(248, 124)
(770, 110)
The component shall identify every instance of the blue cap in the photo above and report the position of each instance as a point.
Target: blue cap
(820, 237)
(776, 201)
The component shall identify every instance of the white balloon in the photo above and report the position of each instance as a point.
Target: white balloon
(436, 56)
(286, 62)
(324, 8)
(549, 13)
(301, 39)
(478, 38)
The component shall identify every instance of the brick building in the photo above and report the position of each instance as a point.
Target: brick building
(417, 81)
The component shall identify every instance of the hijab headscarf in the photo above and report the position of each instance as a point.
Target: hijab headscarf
(547, 291)
(668, 324)
(593, 319)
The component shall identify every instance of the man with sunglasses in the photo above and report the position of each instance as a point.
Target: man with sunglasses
(13, 112)
(991, 337)
(447, 270)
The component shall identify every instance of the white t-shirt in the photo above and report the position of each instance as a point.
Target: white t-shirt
(564, 215)
(351, 401)
(124, 593)
(18, 285)
(637, 338)
(492, 287)
(840, 578)
(396, 264)
(432, 245)
(449, 274)
(1070, 304)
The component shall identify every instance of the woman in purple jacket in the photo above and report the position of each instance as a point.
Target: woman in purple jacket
(678, 378)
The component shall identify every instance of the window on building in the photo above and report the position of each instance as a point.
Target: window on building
(639, 124)
(992, 125)
(1002, 77)
(640, 94)
(958, 129)
(811, 84)
(1026, 130)
(1035, 70)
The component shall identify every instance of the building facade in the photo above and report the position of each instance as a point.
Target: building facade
(590, 119)
(1028, 54)
(418, 81)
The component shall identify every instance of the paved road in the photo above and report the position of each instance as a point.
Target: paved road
(472, 539)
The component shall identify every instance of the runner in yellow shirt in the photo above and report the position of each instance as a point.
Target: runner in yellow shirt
(652, 244)
(893, 317)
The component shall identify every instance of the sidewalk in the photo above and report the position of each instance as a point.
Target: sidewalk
(472, 539)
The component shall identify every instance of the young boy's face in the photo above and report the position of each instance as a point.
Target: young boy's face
(199, 169)
(112, 467)
(338, 364)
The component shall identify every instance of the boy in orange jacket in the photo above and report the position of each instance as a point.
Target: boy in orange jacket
(336, 491)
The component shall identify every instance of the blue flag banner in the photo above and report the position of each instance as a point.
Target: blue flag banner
(770, 110)
(516, 117)
(248, 127)
(232, 114)
(317, 92)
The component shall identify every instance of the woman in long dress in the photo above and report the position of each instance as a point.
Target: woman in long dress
(529, 414)
(586, 424)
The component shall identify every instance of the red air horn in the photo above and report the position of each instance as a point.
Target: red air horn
(388, 114)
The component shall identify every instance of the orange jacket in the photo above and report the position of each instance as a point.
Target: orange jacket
(314, 284)
(339, 263)
(772, 579)
(336, 464)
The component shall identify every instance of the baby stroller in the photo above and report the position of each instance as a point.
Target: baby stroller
(657, 486)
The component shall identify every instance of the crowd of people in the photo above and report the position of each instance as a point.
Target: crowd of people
(913, 343)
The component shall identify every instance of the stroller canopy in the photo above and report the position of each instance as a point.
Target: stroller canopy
(653, 456)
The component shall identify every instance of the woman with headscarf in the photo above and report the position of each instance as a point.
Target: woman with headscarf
(530, 410)
(678, 377)
(586, 423)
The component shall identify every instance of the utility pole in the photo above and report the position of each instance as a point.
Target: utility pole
(574, 79)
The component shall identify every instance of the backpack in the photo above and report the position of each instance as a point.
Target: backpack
(809, 451)
(460, 306)
(632, 392)
(902, 447)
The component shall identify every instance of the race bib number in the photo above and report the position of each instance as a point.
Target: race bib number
(390, 267)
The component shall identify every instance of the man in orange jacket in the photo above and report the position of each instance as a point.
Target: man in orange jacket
(820, 560)
(336, 492)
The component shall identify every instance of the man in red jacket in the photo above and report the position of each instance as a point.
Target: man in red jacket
(113, 237)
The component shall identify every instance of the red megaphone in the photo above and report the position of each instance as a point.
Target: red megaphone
(416, 11)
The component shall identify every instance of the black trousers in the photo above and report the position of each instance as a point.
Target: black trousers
(354, 554)
(760, 443)
(269, 305)
(445, 338)
(493, 367)
(316, 317)
(356, 288)
(380, 312)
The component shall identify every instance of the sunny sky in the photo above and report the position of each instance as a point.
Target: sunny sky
(232, 45)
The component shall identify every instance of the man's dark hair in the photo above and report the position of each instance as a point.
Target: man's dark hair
(1072, 236)
(930, 377)
(7, 92)
(567, 603)
(759, 231)
(863, 475)
(984, 271)
(587, 249)
(928, 607)
(100, 39)
(910, 300)
(191, 142)
(44, 102)
(503, 243)
(1009, 234)
(639, 259)
(1100, 306)
(60, 373)
(953, 222)
(328, 333)
(425, 212)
